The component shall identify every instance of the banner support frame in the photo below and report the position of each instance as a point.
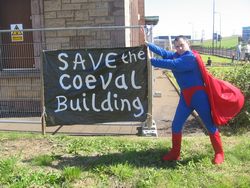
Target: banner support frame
(149, 127)
(43, 124)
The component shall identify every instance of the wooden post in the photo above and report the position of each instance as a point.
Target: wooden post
(42, 96)
(43, 125)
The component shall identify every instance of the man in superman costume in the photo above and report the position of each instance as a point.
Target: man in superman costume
(191, 77)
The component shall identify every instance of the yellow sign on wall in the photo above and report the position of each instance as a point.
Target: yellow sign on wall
(16, 33)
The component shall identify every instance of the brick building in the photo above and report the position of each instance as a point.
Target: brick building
(20, 61)
(36, 14)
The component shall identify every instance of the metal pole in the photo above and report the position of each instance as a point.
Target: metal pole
(213, 28)
(19, 121)
(192, 30)
(150, 84)
(43, 124)
(149, 127)
(220, 30)
(76, 28)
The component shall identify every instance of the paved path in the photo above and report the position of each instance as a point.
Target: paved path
(163, 113)
(164, 107)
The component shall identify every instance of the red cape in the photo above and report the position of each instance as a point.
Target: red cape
(226, 100)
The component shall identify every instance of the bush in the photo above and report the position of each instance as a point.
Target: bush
(240, 77)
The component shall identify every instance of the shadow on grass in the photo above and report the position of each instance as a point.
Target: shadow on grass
(139, 159)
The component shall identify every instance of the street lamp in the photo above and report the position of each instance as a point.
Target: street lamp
(202, 36)
(213, 27)
(192, 30)
(220, 25)
(215, 36)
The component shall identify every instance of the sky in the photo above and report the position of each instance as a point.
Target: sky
(195, 17)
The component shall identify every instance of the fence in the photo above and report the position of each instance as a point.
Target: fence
(20, 61)
(223, 52)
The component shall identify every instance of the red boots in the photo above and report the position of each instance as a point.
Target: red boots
(217, 145)
(174, 153)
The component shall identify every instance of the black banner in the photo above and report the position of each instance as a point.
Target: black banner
(90, 86)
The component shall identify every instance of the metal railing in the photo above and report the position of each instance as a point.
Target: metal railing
(223, 52)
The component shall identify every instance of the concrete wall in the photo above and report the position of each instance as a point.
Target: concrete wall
(84, 13)
(25, 88)
(20, 94)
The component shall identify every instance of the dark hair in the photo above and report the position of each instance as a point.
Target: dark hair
(180, 37)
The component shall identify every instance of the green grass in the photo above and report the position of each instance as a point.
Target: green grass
(7, 168)
(219, 64)
(226, 42)
(120, 162)
(42, 160)
(71, 174)
(216, 60)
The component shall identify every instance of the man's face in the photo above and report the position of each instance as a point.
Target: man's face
(181, 46)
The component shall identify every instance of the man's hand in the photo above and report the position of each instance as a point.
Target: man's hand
(143, 32)
(146, 42)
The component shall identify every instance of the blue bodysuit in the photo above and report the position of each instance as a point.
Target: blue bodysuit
(188, 76)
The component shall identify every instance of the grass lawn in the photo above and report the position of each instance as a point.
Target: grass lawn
(226, 42)
(216, 60)
(31, 160)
